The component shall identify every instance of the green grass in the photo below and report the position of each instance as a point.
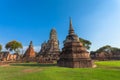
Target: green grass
(106, 70)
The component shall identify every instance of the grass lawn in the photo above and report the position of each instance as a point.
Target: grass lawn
(106, 70)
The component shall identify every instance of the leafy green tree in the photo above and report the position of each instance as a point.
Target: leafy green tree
(0, 47)
(86, 43)
(14, 46)
(106, 48)
(115, 50)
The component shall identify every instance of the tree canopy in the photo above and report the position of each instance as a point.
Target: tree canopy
(107, 49)
(86, 43)
(0, 47)
(13, 46)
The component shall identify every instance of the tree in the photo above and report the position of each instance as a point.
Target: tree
(106, 48)
(14, 46)
(0, 47)
(86, 43)
(115, 51)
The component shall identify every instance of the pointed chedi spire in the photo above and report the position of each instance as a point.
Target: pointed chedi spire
(31, 44)
(71, 30)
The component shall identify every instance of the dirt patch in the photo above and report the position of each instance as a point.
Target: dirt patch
(31, 70)
(5, 65)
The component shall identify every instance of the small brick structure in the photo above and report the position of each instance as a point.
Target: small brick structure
(73, 54)
(30, 55)
(7, 56)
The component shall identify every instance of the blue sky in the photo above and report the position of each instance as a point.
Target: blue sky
(26, 20)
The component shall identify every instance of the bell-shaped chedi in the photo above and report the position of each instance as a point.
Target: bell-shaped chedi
(30, 53)
(73, 54)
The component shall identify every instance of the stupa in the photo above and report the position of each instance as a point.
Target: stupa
(29, 53)
(74, 54)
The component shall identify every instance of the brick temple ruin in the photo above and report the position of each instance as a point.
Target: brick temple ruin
(6, 56)
(30, 55)
(73, 54)
(50, 50)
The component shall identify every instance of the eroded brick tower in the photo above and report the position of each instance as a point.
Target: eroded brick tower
(50, 49)
(29, 53)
